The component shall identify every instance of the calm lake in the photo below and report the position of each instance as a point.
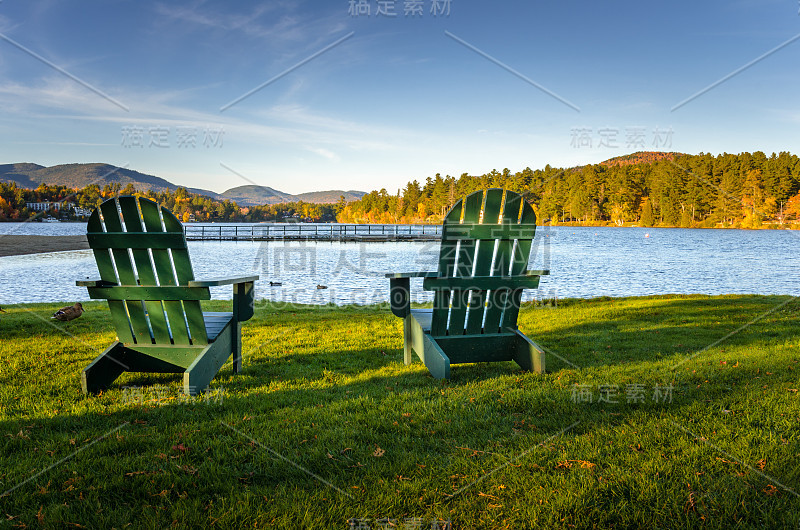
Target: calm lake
(584, 262)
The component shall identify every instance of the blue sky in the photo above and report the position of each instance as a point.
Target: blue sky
(489, 85)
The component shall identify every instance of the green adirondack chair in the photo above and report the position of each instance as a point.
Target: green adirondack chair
(486, 240)
(146, 276)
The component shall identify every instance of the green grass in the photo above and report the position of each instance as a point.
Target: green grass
(326, 424)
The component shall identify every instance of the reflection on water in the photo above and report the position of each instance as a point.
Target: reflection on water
(584, 262)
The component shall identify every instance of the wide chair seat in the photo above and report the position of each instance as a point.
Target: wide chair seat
(146, 276)
(486, 240)
(215, 322)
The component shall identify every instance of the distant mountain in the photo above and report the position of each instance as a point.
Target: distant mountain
(252, 195)
(330, 197)
(81, 175)
(255, 195)
(27, 175)
(639, 157)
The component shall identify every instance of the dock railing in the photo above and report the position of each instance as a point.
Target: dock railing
(309, 231)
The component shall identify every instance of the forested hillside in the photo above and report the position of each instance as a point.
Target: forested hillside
(187, 206)
(745, 190)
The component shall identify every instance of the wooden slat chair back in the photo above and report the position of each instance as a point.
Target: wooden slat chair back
(146, 276)
(486, 241)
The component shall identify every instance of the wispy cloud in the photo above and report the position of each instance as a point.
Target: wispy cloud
(276, 22)
(56, 94)
(325, 153)
(5, 24)
(288, 125)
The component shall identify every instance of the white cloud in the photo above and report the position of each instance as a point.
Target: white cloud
(325, 153)
(276, 22)
(5, 24)
(284, 125)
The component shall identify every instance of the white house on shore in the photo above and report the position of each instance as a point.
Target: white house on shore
(43, 206)
(57, 206)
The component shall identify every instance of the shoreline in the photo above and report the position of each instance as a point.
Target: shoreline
(14, 245)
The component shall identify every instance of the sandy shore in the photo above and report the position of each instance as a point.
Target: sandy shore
(11, 245)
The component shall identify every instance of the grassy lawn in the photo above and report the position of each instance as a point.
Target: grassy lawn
(650, 415)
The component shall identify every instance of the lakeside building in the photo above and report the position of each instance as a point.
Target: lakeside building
(43, 206)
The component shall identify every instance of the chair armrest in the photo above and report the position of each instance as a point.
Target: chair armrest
(216, 282)
(411, 274)
(400, 296)
(400, 290)
(243, 293)
(94, 283)
(481, 283)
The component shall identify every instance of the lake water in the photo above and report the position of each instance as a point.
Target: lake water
(584, 262)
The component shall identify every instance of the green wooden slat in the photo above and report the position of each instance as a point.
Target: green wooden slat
(144, 268)
(494, 309)
(158, 322)
(125, 272)
(511, 312)
(105, 266)
(136, 240)
(177, 321)
(175, 355)
(141, 292)
(133, 225)
(485, 231)
(121, 258)
(505, 245)
(518, 265)
(447, 259)
(180, 257)
(183, 269)
(466, 257)
(141, 330)
(483, 261)
(483, 348)
(502, 262)
(165, 272)
(122, 324)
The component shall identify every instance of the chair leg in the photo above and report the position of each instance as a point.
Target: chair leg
(528, 355)
(435, 359)
(104, 369)
(206, 365)
(236, 345)
(407, 339)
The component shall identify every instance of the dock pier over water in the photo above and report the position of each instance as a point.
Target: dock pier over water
(312, 232)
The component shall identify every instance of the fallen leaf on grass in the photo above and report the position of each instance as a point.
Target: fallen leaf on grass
(771, 490)
(378, 452)
(566, 464)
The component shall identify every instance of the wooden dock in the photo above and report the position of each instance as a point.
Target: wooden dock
(312, 232)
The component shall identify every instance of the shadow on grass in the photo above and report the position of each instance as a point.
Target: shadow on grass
(388, 435)
(656, 328)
